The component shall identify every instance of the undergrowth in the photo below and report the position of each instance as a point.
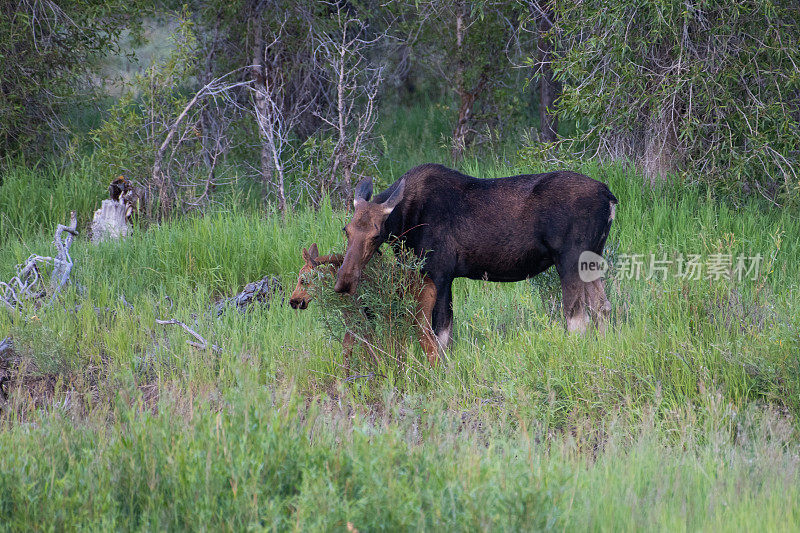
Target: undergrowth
(683, 416)
(381, 316)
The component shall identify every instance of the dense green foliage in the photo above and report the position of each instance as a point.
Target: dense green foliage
(48, 51)
(710, 89)
(382, 314)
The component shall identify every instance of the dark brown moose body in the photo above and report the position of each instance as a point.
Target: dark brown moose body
(504, 229)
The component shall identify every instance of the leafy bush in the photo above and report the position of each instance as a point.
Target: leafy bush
(48, 52)
(383, 312)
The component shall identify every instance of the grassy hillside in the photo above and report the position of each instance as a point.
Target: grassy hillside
(681, 417)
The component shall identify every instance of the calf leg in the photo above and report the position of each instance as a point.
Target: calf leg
(347, 343)
(426, 299)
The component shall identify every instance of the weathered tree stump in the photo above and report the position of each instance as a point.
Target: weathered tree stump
(110, 221)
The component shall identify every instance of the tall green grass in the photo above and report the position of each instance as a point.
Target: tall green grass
(669, 340)
(256, 460)
(36, 198)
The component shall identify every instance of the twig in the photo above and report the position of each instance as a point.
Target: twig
(201, 343)
(5, 346)
(362, 376)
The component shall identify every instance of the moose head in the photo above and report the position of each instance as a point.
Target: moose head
(365, 232)
(301, 294)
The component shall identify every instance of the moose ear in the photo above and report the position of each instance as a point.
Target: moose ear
(310, 256)
(363, 191)
(394, 199)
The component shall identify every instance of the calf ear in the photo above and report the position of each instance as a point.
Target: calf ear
(394, 199)
(363, 191)
(313, 252)
(306, 257)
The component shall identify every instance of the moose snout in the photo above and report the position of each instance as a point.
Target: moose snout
(298, 303)
(345, 284)
(341, 286)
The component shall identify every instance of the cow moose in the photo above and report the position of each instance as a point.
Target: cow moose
(503, 229)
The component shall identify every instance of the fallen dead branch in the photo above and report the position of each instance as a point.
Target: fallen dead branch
(5, 347)
(260, 291)
(29, 285)
(201, 343)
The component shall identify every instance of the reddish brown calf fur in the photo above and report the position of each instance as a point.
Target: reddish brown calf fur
(425, 297)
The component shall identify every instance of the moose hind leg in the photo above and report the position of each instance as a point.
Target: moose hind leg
(443, 314)
(598, 304)
(573, 296)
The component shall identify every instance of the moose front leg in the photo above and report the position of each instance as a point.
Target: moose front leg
(443, 314)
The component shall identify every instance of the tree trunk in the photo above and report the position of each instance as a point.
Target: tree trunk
(550, 88)
(467, 99)
(342, 155)
(660, 156)
(206, 133)
(259, 77)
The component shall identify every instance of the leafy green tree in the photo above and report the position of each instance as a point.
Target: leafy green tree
(707, 87)
(48, 51)
(467, 46)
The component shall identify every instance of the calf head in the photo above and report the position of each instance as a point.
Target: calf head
(365, 232)
(301, 296)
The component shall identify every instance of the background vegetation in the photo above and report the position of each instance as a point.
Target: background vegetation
(683, 416)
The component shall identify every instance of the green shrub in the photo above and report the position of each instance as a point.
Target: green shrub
(382, 314)
(708, 90)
